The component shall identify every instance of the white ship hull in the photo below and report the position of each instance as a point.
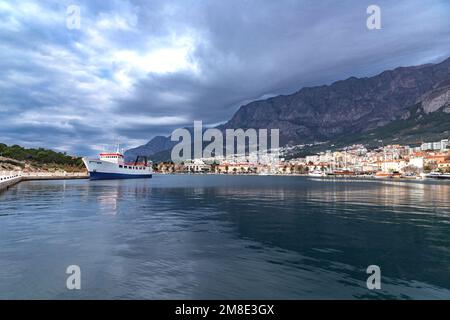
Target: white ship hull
(100, 169)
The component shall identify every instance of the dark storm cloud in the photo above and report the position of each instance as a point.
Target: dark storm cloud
(250, 49)
(137, 69)
(183, 93)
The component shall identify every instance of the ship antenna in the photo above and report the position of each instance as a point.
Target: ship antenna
(118, 145)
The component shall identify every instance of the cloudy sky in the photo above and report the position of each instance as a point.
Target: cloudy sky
(136, 69)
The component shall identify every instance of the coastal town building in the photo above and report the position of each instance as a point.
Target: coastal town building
(196, 166)
(439, 145)
(350, 160)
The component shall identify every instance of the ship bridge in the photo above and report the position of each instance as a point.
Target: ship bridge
(112, 157)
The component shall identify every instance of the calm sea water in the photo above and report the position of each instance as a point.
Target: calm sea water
(214, 237)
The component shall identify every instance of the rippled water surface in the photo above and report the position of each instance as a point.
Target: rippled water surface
(197, 236)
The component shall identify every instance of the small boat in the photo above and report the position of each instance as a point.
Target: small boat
(382, 175)
(113, 166)
(317, 173)
(344, 172)
(436, 175)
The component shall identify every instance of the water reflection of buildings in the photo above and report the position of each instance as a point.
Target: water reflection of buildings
(429, 197)
(111, 195)
(108, 202)
(415, 194)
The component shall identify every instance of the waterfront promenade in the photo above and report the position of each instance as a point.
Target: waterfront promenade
(10, 178)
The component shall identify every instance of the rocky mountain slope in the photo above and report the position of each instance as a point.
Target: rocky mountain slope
(347, 108)
(157, 144)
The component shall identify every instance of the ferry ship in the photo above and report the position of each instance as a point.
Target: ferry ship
(113, 166)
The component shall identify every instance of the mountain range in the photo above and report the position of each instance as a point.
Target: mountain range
(406, 104)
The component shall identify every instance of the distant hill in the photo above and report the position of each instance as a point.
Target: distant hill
(154, 146)
(404, 104)
(12, 157)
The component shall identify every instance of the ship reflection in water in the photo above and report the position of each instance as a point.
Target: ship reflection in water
(188, 236)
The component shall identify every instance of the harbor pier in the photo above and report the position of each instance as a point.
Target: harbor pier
(10, 178)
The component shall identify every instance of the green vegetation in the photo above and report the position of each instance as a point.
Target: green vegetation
(41, 158)
(418, 128)
(415, 130)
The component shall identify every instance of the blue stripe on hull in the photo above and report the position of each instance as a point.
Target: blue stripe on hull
(107, 175)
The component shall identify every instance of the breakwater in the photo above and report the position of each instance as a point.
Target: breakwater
(10, 178)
